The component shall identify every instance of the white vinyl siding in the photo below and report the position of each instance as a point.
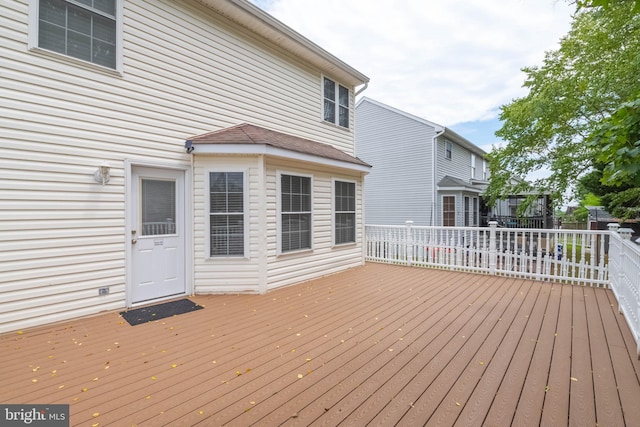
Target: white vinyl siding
(186, 71)
(400, 150)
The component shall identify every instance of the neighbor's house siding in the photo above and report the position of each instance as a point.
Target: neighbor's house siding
(186, 71)
(399, 148)
(459, 166)
(401, 185)
(257, 272)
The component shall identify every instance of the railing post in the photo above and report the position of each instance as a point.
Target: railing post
(493, 225)
(409, 243)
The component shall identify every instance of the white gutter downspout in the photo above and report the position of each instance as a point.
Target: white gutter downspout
(434, 193)
(362, 89)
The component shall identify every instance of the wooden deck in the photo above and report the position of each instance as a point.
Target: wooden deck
(377, 345)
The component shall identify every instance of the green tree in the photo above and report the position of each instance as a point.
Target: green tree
(571, 96)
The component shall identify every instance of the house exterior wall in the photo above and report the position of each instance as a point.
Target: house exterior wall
(401, 185)
(398, 188)
(458, 166)
(186, 70)
(264, 267)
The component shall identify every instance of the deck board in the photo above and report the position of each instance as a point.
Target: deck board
(375, 345)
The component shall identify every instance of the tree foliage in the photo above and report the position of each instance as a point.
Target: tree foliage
(573, 105)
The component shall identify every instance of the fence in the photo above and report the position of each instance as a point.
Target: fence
(624, 274)
(579, 257)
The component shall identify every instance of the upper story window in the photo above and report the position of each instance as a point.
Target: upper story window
(295, 199)
(473, 166)
(345, 212)
(226, 213)
(448, 149)
(82, 29)
(484, 170)
(336, 103)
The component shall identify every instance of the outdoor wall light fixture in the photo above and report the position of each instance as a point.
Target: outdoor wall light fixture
(102, 174)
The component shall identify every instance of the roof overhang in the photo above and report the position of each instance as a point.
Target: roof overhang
(266, 150)
(261, 23)
(251, 140)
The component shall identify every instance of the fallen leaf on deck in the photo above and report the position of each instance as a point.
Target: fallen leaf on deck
(574, 379)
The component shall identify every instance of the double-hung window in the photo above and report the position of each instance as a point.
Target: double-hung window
(295, 195)
(226, 214)
(448, 150)
(473, 166)
(449, 211)
(468, 218)
(336, 103)
(82, 29)
(345, 212)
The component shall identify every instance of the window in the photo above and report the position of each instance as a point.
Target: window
(473, 166)
(467, 211)
(226, 214)
(336, 103)
(449, 211)
(345, 212)
(82, 29)
(474, 212)
(296, 212)
(484, 170)
(448, 148)
(157, 207)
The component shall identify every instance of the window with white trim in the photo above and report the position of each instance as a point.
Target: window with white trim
(448, 150)
(226, 213)
(467, 211)
(344, 212)
(484, 170)
(295, 207)
(473, 166)
(474, 212)
(336, 103)
(449, 211)
(82, 29)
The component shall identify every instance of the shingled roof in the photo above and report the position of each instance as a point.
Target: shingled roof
(246, 134)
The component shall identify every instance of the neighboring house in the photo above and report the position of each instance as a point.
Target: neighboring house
(152, 149)
(422, 172)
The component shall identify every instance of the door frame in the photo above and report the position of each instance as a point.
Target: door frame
(129, 165)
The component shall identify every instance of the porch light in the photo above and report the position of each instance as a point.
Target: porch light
(102, 174)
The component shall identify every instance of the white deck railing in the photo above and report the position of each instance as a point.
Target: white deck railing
(579, 257)
(624, 275)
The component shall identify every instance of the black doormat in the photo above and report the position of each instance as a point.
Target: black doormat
(160, 311)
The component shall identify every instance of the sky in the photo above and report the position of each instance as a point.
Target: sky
(452, 62)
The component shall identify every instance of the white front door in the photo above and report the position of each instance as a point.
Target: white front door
(157, 233)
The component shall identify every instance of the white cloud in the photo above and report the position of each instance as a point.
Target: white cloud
(448, 61)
